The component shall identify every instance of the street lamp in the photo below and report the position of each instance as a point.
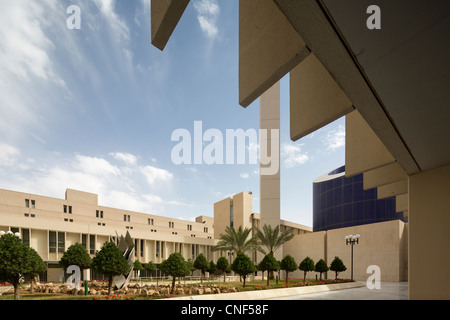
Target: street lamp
(17, 234)
(352, 240)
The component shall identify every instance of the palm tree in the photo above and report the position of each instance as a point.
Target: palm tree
(235, 241)
(270, 239)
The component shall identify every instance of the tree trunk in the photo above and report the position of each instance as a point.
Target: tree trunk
(173, 285)
(287, 277)
(244, 282)
(31, 285)
(224, 273)
(109, 286)
(304, 276)
(16, 291)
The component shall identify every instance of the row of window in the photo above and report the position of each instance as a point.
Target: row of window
(29, 203)
(56, 243)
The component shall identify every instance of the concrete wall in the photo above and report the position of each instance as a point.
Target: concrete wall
(382, 244)
(429, 219)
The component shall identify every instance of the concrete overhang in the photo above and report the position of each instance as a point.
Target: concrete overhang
(397, 77)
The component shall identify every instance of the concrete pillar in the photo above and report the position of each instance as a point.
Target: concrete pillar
(429, 236)
(270, 183)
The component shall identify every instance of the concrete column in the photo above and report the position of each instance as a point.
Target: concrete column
(270, 183)
(429, 236)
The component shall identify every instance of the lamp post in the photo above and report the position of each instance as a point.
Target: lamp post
(17, 234)
(352, 240)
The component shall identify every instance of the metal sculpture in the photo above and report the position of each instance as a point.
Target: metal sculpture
(126, 246)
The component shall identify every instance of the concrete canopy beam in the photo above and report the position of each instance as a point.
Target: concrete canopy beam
(165, 15)
(316, 99)
(269, 48)
(363, 149)
(392, 189)
(383, 176)
(313, 24)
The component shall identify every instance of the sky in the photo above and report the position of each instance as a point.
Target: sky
(94, 109)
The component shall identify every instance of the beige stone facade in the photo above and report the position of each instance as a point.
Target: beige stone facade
(51, 225)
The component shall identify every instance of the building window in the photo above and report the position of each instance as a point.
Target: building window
(64, 208)
(51, 241)
(26, 236)
(142, 248)
(27, 203)
(84, 240)
(189, 227)
(205, 229)
(150, 221)
(126, 217)
(157, 249)
(92, 244)
(171, 224)
(61, 242)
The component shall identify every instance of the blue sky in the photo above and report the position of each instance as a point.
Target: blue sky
(94, 109)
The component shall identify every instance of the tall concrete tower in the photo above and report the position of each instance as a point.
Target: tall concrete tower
(270, 149)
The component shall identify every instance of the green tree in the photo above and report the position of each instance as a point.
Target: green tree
(110, 262)
(76, 255)
(175, 266)
(137, 266)
(15, 261)
(270, 239)
(37, 266)
(306, 265)
(243, 266)
(236, 241)
(337, 266)
(321, 267)
(269, 264)
(190, 265)
(201, 264)
(212, 268)
(288, 264)
(150, 267)
(223, 265)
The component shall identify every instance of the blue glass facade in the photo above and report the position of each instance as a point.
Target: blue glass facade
(340, 202)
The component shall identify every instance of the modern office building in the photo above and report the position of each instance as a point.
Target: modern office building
(381, 64)
(340, 202)
(51, 225)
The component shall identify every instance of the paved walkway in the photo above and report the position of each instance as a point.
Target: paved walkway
(388, 291)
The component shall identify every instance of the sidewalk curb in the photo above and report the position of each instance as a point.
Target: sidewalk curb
(272, 293)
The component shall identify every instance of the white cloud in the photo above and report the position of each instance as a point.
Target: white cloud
(153, 174)
(95, 166)
(207, 14)
(28, 72)
(8, 154)
(293, 155)
(119, 28)
(127, 158)
(335, 138)
(245, 175)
